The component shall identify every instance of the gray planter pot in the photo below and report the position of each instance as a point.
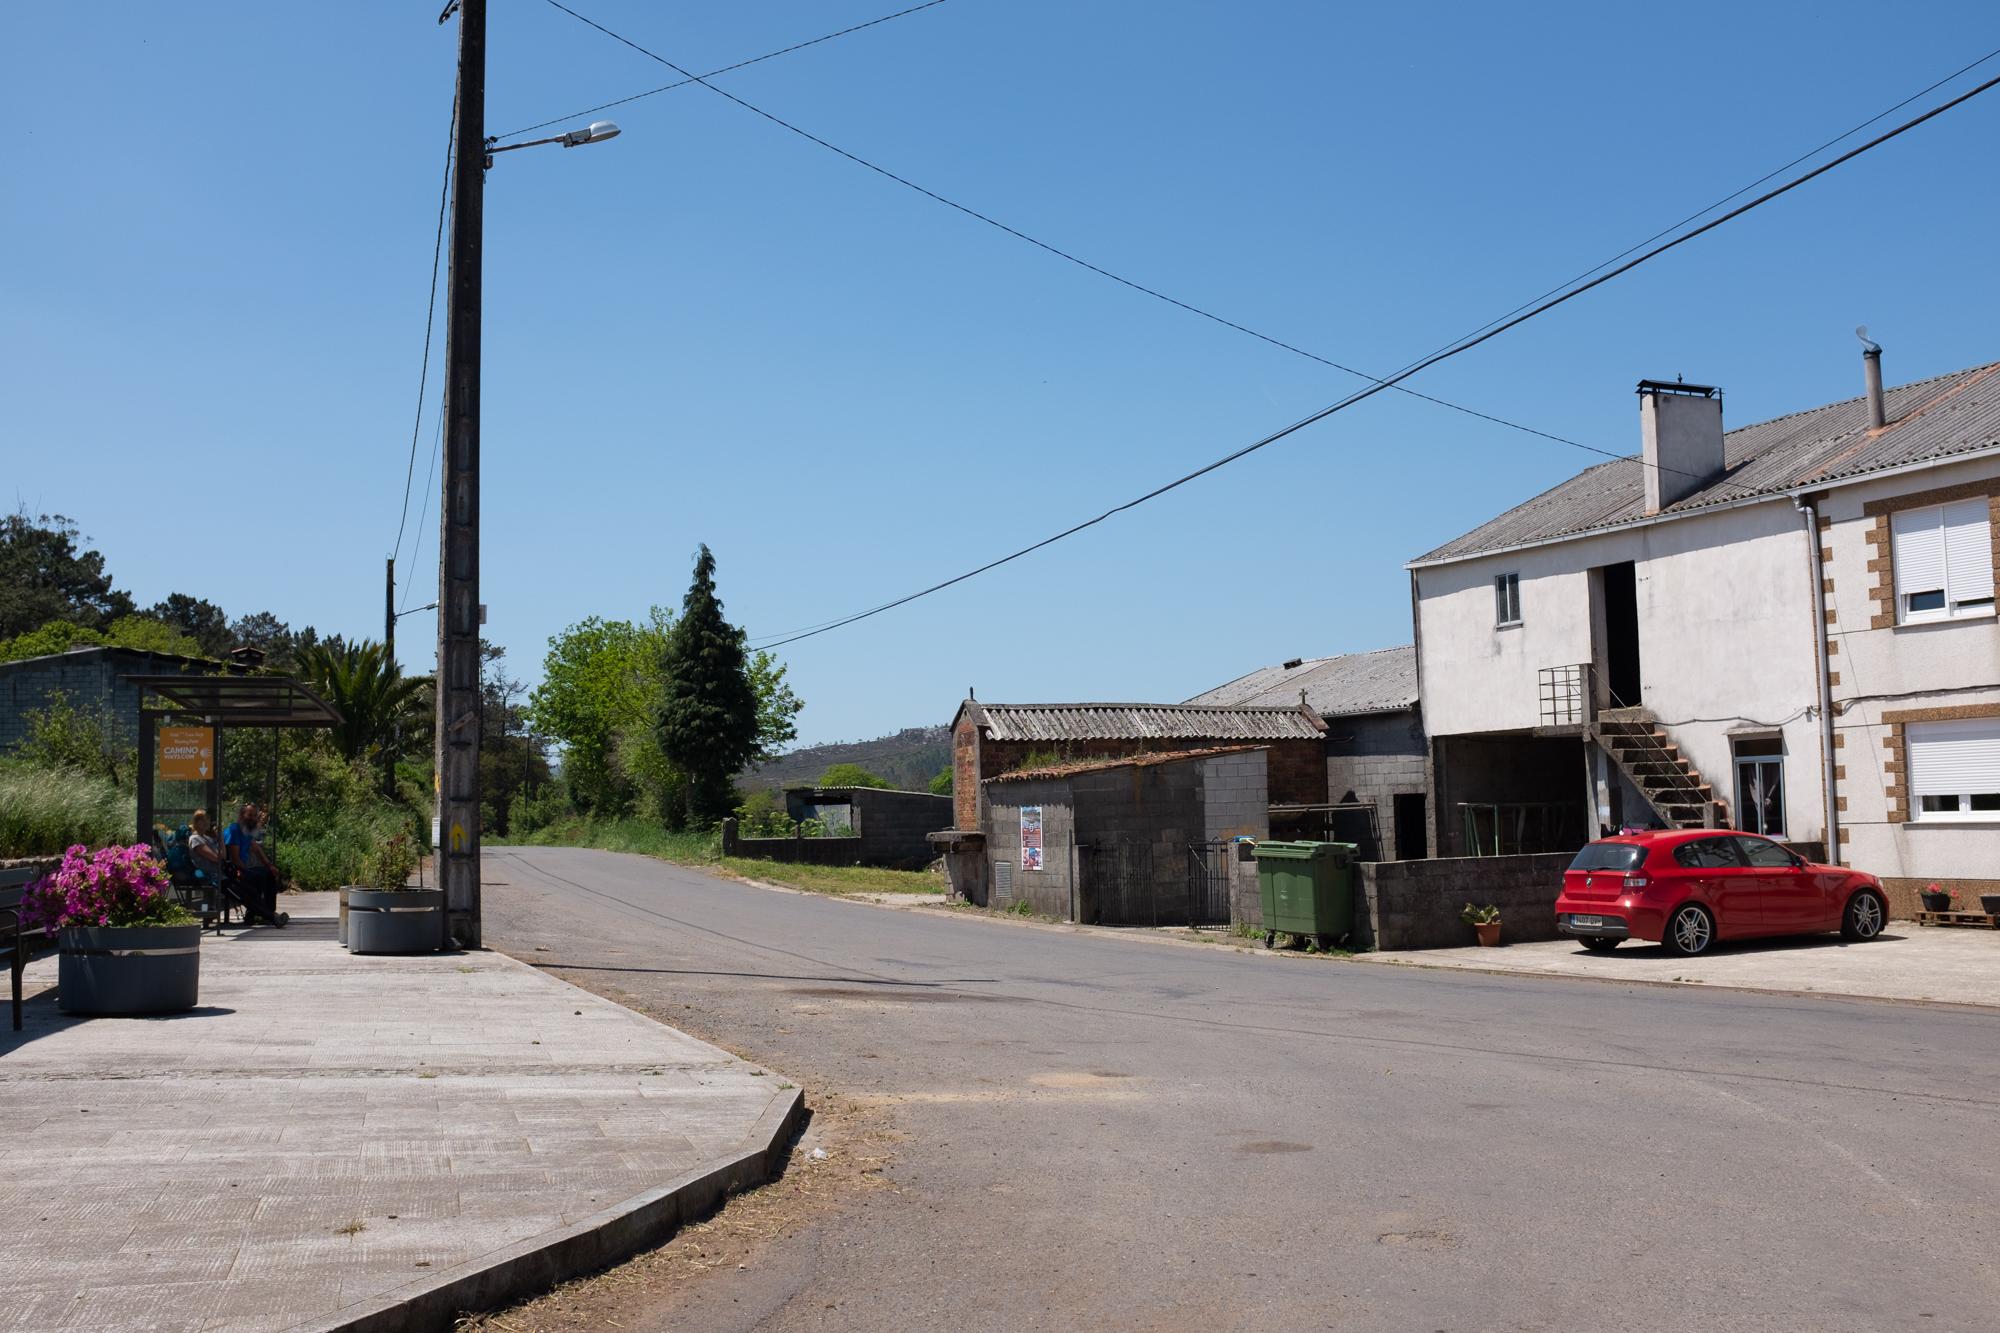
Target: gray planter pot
(394, 920)
(129, 969)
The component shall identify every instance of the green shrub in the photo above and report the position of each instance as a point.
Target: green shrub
(44, 810)
(532, 811)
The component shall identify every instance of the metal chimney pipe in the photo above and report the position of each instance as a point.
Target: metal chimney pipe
(1871, 371)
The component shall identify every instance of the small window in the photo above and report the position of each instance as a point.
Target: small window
(1709, 854)
(1943, 560)
(1610, 856)
(1506, 599)
(1954, 768)
(1763, 854)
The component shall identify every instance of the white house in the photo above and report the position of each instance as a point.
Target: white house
(1787, 628)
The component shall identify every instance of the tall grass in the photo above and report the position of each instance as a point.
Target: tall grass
(44, 810)
(324, 849)
(644, 836)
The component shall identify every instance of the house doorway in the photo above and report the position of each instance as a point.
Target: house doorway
(1760, 787)
(1620, 584)
(1412, 837)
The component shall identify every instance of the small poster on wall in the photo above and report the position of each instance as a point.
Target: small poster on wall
(1031, 837)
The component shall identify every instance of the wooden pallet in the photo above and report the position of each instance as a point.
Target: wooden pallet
(1978, 920)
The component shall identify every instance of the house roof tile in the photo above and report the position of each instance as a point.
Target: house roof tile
(1383, 681)
(1146, 722)
(1941, 417)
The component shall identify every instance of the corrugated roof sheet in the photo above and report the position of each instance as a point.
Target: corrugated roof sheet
(1130, 761)
(1931, 419)
(1383, 681)
(1180, 722)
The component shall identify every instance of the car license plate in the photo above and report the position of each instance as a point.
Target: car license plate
(1586, 921)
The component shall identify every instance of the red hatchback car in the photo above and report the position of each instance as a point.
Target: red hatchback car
(1687, 888)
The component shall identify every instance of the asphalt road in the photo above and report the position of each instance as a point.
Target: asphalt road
(1124, 1133)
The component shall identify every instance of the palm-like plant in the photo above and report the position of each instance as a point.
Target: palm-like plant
(377, 703)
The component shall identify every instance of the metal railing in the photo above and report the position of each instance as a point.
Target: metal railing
(1568, 694)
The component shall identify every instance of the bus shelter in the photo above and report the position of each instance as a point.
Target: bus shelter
(184, 728)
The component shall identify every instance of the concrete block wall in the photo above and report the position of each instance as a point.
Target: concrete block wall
(1235, 796)
(1415, 904)
(803, 851)
(91, 679)
(1046, 892)
(894, 826)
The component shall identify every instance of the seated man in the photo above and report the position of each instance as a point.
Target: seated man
(257, 878)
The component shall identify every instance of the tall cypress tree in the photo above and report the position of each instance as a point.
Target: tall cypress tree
(708, 708)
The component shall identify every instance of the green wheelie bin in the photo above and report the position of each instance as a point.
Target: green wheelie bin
(1307, 889)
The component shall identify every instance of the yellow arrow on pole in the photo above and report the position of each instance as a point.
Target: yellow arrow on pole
(458, 837)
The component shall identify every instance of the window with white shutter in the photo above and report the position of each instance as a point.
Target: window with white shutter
(1954, 768)
(1943, 558)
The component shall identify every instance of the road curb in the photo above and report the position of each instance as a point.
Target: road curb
(605, 1238)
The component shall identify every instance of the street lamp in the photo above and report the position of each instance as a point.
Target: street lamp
(595, 132)
(460, 613)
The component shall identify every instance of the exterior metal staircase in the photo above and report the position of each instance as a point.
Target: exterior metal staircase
(1648, 757)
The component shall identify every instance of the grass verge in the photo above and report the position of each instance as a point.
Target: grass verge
(705, 849)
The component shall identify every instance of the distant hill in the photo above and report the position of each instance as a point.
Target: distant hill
(909, 760)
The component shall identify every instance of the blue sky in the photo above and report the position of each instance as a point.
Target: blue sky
(219, 217)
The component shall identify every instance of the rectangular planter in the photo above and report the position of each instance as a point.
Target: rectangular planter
(129, 969)
(395, 920)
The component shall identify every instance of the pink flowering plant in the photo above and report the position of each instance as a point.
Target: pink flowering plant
(114, 886)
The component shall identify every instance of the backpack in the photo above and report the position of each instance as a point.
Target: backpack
(175, 845)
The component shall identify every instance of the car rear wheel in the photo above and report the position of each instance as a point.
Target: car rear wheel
(1689, 931)
(1598, 943)
(1865, 916)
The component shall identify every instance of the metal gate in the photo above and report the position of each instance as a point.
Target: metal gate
(1115, 884)
(1133, 884)
(1208, 884)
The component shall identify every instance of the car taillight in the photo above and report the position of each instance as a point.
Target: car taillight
(1636, 881)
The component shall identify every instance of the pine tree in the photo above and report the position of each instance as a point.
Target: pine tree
(708, 708)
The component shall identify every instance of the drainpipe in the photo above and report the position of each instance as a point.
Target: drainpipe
(1811, 516)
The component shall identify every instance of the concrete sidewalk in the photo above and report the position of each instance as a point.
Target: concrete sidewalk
(1908, 962)
(351, 1142)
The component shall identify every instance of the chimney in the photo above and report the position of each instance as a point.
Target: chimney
(1871, 372)
(1680, 427)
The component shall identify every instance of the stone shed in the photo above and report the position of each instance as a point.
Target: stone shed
(1146, 840)
(991, 740)
(92, 679)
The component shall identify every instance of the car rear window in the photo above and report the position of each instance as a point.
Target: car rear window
(1610, 856)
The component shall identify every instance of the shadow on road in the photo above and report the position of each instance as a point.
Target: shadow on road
(768, 976)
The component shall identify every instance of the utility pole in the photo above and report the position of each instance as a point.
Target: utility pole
(457, 686)
(389, 653)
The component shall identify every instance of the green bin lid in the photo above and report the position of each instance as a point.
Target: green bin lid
(1304, 851)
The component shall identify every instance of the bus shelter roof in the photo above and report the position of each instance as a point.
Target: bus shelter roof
(243, 701)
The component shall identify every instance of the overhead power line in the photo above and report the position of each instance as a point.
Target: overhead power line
(1210, 315)
(430, 318)
(423, 511)
(1066, 255)
(1456, 349)
(1772, 174)
(726, 69)
(1375, 383)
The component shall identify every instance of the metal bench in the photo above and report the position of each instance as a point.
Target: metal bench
(17, 940)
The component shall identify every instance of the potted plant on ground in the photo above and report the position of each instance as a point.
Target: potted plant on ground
(1936, 899)
(384, 915)
(125, 945)
(1485, 920)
